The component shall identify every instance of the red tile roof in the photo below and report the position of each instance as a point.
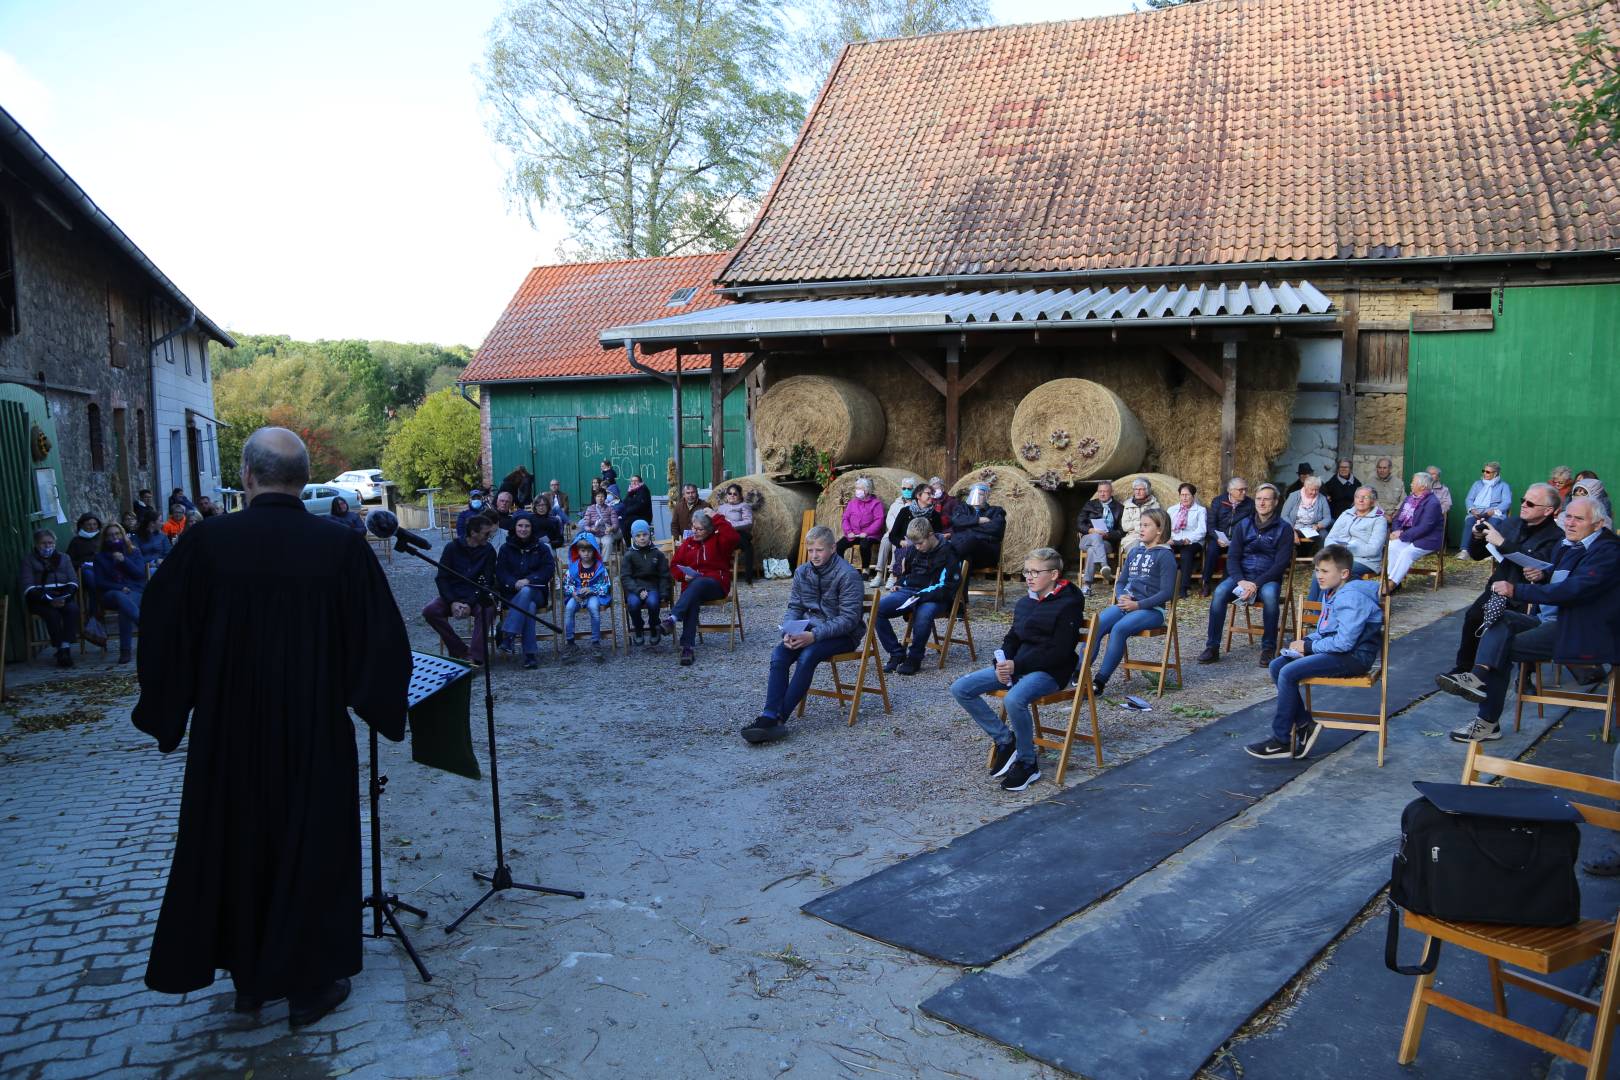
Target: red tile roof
(1218, 132)
(549, 329)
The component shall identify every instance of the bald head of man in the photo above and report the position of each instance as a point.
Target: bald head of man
(274, 459)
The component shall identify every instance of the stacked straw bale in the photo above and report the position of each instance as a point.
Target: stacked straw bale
(885, 489)
(1167, 489)
(1034, 518)
(778, 512)
(913, 413)
(835, 415)
(1071, 430)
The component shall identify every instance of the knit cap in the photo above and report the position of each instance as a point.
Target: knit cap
(639, 528)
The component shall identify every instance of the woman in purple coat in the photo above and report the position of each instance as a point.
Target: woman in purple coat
(863, 524)
(1419, 529)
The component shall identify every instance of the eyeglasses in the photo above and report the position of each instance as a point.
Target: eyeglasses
(1535, 505)
(1487, 472)
(1038, 573)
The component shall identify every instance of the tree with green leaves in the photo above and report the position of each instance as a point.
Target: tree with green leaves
(653, 125)
(834, 23)
(436, 446)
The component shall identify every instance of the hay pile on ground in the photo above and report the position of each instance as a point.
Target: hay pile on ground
(778, 512)
(1268, 376)
(885, 489)
(1033, 517)
(1070, 430)
(835, 415)
(1165, 488)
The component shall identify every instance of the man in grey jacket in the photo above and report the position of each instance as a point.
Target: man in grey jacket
(823, 619)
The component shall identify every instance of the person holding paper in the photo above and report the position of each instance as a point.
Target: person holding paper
(702, 564)
(1224, 514)
(927, 572)
(1490, 498)
(1188, 524)
(1036, 658)
(1308, 512)
(1584, 587)
(824, 618)
(1535, 534)
(1418, 529)
(1099, 530)
(1262, 547)
(1147, 582)
(1346, 642)
(1363, 530)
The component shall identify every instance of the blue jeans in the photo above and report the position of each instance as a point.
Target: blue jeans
(1356, 570)
(1126, 623)
(639, 610)
(688, 605)
(1509, 641)
(969, 693)
(1287, 673)
(1270, 598)
(782, 693)
(129, 615)
(594, 604)
(535, 598)
(922, 613)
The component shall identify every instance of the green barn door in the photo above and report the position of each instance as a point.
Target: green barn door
(556, 456)
(22, 411)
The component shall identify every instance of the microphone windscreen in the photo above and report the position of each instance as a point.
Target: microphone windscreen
(382, 523)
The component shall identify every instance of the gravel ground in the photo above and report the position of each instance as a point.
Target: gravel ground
(688, 956)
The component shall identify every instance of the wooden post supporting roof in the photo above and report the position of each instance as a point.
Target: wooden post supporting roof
(717, 418)
(680, 476)
(1229, 413)
(953, 412)
(1349, 354)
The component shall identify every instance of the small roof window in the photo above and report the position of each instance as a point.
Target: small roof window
(681, 297)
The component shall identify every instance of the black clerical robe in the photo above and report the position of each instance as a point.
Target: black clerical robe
(265, 627)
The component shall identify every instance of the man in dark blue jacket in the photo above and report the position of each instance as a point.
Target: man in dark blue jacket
(1585, 589)
(976, 528)
(475, 508)
(1036, 658)
(1257, 561)
(1224, 514)
(473, 558)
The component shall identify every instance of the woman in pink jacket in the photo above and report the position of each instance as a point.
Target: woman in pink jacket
(863, 524)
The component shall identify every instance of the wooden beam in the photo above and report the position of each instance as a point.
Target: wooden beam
(925, 369)
(985, 366)
(717, 418)
(1349, 354)
(1191, 361)
(1229, 411)
(1446, 321)
(740, 376)
(953, 409)
(680, 476)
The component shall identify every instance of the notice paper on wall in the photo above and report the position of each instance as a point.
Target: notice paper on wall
(50, 504)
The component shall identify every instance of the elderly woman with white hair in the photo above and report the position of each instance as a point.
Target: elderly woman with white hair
(1418, 529)
(1309, 514)
(863, 525)
(1130, 520)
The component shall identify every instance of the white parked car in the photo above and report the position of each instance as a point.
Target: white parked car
(318, 497)
(368, 482)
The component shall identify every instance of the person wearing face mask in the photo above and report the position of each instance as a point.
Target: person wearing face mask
(121, 578)
(921, 507)
(944, 501)
(976, 528)
(906, 498)
(863, 525)
(524, 568)
(50, 590)
(645, 575)
(475, 508)
(1262, 545)
(81, 551)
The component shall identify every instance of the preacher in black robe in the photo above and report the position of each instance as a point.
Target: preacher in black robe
(264, 627)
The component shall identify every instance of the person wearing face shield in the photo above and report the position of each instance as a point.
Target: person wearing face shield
(977, 528)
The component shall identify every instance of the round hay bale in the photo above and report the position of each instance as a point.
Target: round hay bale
(1167, 489)
(1069, 430)
(885, 489)
(778, 512)
(835, 415)
(1034, 518)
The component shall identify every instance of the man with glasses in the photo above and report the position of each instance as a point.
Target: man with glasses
(1036, 658)
(1535, 533)
(1224, 514)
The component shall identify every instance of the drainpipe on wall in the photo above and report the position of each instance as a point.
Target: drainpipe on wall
(674, 382)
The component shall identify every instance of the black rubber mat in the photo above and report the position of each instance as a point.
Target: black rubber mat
(986, 893)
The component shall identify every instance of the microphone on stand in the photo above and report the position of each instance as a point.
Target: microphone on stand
(385, 524)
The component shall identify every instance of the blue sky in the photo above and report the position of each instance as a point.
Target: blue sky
(320, 169)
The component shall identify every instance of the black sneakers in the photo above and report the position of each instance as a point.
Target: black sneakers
(894, 663)
(1020, 774)
(1001, 759)
(1305, 740)
(687, 656)
(908, 666)
(1270, 750)
(1209, 655)
(764, 729)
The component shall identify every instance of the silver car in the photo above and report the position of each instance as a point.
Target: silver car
(318, 497)
(366, 482)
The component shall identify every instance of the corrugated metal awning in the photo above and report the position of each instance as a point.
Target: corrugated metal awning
(1032, 309)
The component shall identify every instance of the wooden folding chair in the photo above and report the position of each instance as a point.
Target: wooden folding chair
(866, 656)
(1310, 613)
(1062, 738)
(1437, 571)
(733, 626)
(1533, 950)
(39, 635)
(1164, 664)
(1285, 615)
(1571, 699)
(958, 616)
(807, 521)
(610, 614)
(995, 590)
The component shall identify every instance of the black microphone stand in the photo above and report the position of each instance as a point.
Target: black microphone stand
(384, 904)
(501, 878)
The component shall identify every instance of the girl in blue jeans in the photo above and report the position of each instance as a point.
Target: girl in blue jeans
(1146, 583)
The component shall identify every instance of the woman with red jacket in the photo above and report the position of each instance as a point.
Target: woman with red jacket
(702, 564)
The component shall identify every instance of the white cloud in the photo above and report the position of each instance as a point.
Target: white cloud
(23, 96)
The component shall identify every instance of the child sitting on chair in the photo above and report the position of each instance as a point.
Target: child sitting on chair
(645, 574)
(1346, 642)
(590, 587)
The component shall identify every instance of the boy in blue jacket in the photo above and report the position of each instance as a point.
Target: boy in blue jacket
(1346, 641)
(589, 587)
